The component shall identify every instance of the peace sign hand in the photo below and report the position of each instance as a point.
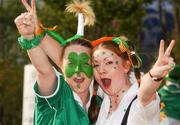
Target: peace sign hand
(27, 22)
(165, 63)
(31, 9)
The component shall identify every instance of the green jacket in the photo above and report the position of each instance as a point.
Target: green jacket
(170, 96)
(60, 108)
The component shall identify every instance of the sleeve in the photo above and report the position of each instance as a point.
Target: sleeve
(53, 101)
(150, 111)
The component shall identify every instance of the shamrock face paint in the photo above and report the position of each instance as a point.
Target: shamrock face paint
(78, 64)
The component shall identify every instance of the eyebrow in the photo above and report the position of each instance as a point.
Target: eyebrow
(103, 59)
(107, 57)
(94, 60)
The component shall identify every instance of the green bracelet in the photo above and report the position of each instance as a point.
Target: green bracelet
(29, 44)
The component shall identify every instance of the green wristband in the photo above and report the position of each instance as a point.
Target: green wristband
(29, 44)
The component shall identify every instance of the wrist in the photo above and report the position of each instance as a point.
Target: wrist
(29, 44)
(28, 37)
(156, 79)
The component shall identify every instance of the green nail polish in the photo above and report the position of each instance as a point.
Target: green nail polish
(171, 65)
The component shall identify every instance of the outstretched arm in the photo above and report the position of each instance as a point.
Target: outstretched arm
(26, 26)
(164, 64)
(53, 49)
(49, 45)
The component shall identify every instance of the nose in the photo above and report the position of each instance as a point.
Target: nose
(77, 69)
(101, 70)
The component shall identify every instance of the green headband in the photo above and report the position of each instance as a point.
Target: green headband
(77, 36)
(60, 39)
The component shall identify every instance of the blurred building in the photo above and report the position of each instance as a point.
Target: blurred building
(157, 25)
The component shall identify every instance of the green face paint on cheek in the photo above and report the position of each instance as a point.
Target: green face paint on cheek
(77, 64)
(116, 62)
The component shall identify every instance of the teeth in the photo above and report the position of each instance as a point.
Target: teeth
(78, 78)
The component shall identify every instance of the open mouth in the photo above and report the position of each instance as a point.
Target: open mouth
(79, 79)
(106, 82)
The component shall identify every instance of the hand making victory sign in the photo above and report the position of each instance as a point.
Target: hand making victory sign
(151, 81)
(27, 23)
(165, 63)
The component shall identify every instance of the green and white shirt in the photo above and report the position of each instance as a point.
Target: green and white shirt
(63, 107)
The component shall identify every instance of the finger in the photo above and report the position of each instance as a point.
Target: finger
(164, 68)
(16, 20)
(171, 63)
(33, 4)
(161, 49)
(26, 5)
(28, 16)
(19, 20)
(171, 59)
(169, 49)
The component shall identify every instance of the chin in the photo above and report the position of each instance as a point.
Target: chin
(107, 92)
(81, 90)
(110, 93)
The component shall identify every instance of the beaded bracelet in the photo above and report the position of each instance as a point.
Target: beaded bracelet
(154, 78)
(29, 44)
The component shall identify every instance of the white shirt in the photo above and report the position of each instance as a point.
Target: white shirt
(138, 115)
(91, 89)
(78, 99)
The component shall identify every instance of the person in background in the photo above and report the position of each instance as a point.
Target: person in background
(170, 98)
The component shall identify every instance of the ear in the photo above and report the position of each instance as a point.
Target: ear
(127, 66)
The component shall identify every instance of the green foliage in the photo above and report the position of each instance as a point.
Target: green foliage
(11, 79)
(113, 17)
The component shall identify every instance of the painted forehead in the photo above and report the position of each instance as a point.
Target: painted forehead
(104, 54)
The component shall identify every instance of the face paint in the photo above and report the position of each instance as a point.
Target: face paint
(77, 64)
(116, 62)
(78, 86)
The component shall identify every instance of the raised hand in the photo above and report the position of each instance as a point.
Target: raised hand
(31, 9)
(165, 63)
(26, 23)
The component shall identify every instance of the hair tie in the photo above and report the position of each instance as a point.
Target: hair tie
(94, 93)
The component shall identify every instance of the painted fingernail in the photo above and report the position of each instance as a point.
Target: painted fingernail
(171, 65)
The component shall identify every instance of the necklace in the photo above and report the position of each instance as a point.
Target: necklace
(115, 102)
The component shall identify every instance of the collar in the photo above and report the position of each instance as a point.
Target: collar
(78, 99)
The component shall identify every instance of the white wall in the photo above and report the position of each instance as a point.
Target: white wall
(28, 95)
